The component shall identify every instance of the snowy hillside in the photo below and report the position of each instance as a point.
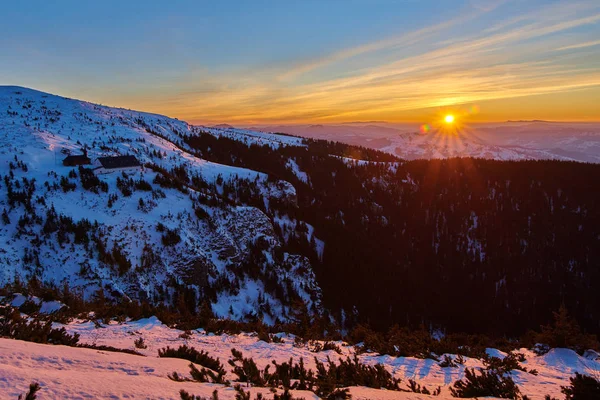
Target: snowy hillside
(139, 235)
(66, 372)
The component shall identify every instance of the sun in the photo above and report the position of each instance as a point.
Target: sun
(449, 118)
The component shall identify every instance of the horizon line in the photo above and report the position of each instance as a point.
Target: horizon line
(257, 124)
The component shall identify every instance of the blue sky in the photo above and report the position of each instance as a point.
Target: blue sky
(298, 61)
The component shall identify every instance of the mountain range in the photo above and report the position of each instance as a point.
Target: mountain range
(512, 140)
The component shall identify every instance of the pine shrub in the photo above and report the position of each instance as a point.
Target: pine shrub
(351, 372)
(565, 332)
(448, 362)
(488, 383)
(197, 357)
(14, 326)
(183, 395)
(583, 387)
(34, 387)
(139, 343)
(171, 237)
(246, 369)
(109, 348)
(503, 365)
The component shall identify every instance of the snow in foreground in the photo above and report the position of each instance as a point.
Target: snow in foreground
(67, 372)
(78, 373)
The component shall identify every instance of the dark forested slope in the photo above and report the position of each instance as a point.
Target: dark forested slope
(463, 244)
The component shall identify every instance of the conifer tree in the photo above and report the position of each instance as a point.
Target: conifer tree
(582, 387)
(32, 393)
(5, 218)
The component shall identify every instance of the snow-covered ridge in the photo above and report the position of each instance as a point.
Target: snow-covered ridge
(254, 137)
(37, 130)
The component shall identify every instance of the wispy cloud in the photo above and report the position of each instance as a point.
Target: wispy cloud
(511, 59)
(405, 39)
(580, 45)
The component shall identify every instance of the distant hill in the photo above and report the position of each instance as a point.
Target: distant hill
(512, 140)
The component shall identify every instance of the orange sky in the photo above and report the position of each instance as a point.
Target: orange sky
(571, 105)
(316, 62)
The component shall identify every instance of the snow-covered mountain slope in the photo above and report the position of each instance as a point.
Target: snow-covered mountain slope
(255, 137)
(503, 141)
(66, 372)
(139, 234)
